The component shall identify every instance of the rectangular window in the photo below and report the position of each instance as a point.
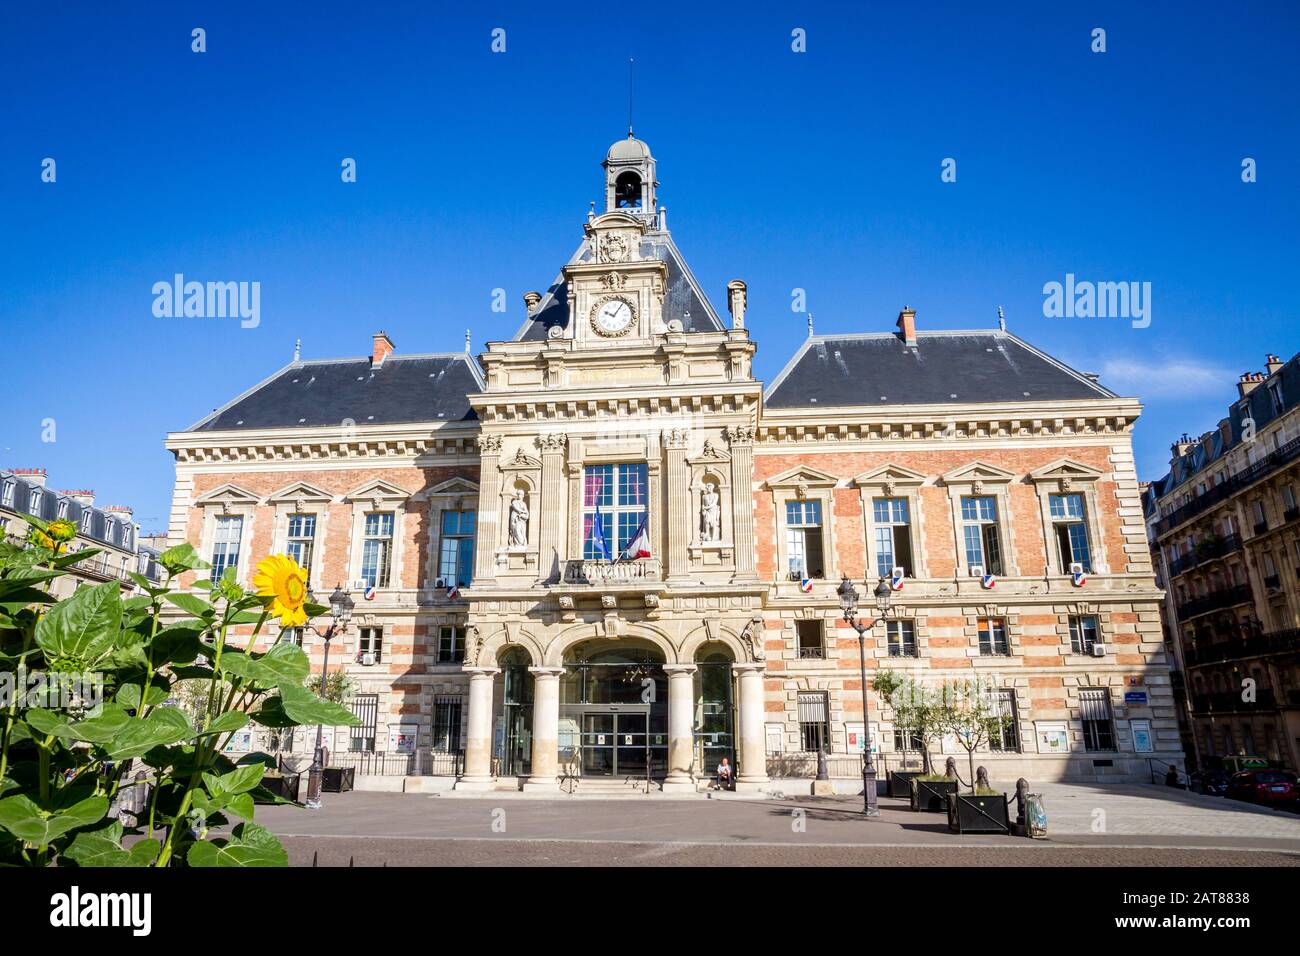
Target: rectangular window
(446, 724)
(1098, 728)
(8, 500)
(809, 635)
(1004, 734)
(225, 543)
(377, 549)
(63, 508)
(301, 540)
(993, 636)
(904, 742)
(1070, 530)
(901, 638)
(366, 707)
(456, 554)
(34, 502)
(1084, 632)
(619, 493)
(893, 535)
(292, 635)
(803, 539)
(451, 645)
(814, 725)
(979, 517)
(370, 642)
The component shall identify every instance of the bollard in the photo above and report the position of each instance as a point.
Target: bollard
(1022, 788)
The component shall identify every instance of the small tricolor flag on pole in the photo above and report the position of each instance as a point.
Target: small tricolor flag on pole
(369, 592)
(896, 579)
(639, 546)
(805, 585)
(1079, 578)
(988, 582)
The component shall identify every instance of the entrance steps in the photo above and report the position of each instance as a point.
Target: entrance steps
(610, 786)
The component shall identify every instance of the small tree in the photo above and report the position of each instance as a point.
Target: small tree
(918, 710)
(972, 713)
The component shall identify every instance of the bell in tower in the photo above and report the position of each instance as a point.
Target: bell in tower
(630, 178)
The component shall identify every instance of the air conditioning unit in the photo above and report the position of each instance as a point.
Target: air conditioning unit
(897, 572)
(368, 659)
(359, 584)
(977, 570)
(441, 583)
(1076, 567)
(1099, 650)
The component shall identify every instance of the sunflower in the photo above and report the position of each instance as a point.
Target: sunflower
(42, 540)
(279, 578)
(61, 530)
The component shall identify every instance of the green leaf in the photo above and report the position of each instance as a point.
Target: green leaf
(227, 722)
(239, 780)
(83, 626)
(99, 848)
(271, 714)
(304, 707)
(99, 729)
(177, 644)
(192, 604)
(19, 578)
(245, 617)
(183, 557)
(129, 694)
(145, 852)
(250, 845)
(241, 805)
(65, 560)
(166, 725)
(286, 663)
(28, 822)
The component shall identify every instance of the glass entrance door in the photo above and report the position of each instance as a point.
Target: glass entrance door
(614, 744)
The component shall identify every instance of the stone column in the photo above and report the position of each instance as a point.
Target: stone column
(546, 728)
(551, 551)
(741, 440)
(677, 514)
(488, 535)
(752, 751)
(681, 727)
(478, 743)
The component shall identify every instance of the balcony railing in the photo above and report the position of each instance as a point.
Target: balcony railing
(1207, 551)
(1215, 601)
(1230, 701)
(598, 572)
(1231, 485)
(1256, 645)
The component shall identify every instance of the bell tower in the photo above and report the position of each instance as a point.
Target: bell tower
(630, 179)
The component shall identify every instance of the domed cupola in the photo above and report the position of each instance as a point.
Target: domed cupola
(630, 178)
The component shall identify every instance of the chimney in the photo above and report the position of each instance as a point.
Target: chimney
(383, 347)
(736, 300)
(907, 325)
(530, 301)
(1181, 447)
(36, 476)
(121, 511)
(1272, 363)
(1248, 382)
(82, 496)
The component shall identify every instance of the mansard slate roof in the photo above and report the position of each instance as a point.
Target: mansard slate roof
(943, 368)
(47, 508)
(683, 299)
(405, 388)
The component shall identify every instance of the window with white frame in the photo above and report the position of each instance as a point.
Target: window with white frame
(814, 722)
(63, 507)
(1098, 726)
(377, 549)
(993, 636)
(900, 638)
(85, 519)
(8, 499)
(456, 548)
(300, 540)
(804, 544)
(34, 502)
(1084, 633)
(1289, 501)
(1261, 519)
(618, 493)
(451, 644)
(292, 635)
(1070, 529)
(893, 535)
(109, 529)
(362, 738)
(226, 533)
(979, 516)
(370, 645)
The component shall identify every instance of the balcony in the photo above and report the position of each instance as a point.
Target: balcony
(1230, 701)
(1231, 486)
(1255, 645)
(1215, 601)
(599, 573)
(1211, 549)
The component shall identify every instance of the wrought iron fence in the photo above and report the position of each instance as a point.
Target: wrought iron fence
(421, 763)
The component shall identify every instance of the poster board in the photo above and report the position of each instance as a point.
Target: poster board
(774, 734)
(1053, 736)
(1142, 742)
(402, 737)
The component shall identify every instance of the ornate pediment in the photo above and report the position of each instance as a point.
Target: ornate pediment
(1065, 472)
(378, 491)
(301, 493)
(890, 477)
(452, 487)
(802, 479)
(521, 461)
(977, 474)
(227, 495)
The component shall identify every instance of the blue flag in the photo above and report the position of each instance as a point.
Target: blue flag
(598, 541)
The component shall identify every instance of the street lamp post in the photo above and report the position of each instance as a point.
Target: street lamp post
(341, 612)
(849, 605)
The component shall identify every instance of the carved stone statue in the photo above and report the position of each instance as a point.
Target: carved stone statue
(710, 513)
(518, 520)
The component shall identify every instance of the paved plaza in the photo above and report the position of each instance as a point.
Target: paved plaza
(1114, 825)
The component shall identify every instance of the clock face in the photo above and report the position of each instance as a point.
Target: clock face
(613, 317)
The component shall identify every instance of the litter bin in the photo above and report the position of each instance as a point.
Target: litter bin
(1035, 816)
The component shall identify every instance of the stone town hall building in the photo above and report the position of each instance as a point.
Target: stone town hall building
(490, 503)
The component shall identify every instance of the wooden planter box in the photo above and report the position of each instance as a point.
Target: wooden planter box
(337, 779)
(900, 783)
(983, 814)
(931, 796)
(285, 786)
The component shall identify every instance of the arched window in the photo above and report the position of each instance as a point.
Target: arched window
(627, 191)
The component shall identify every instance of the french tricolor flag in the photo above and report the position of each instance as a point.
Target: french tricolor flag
(639, 546)
(988, 582)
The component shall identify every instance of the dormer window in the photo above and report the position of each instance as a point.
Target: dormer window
(627, 191)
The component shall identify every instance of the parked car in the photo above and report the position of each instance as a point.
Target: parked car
(1214, 783)
(1272, 788)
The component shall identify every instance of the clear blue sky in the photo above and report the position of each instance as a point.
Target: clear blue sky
(818, 170)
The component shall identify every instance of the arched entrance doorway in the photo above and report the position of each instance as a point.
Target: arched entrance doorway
(614, 709)
(715, 713)
(513, 736)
